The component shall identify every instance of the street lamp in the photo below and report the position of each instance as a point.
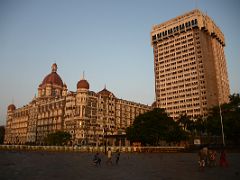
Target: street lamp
(221, 119)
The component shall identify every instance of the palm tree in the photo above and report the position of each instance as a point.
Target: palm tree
(184, 121)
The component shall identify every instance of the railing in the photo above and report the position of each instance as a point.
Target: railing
(130, 149)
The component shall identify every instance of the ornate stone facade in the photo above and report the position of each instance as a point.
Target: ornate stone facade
(190, 65)
(87, 115)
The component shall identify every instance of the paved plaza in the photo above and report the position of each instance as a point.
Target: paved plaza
(70, 166)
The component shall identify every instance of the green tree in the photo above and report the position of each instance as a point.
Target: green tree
(2, 133)
(213, 124)
(231, 120)
(200, 125)
(235, 100)
(183, 121)
(151, 127)
(58, 138)
(194, 126)
(175, 134)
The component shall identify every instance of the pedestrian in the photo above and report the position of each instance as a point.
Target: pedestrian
(109, 156)
(212, 158)
(97, 159)
(201, 160)
(223, 159)
(117, 156)
(206, 156)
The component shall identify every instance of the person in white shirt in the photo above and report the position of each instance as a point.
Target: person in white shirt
(109, 156)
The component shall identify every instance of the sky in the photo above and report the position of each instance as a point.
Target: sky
(108, 40)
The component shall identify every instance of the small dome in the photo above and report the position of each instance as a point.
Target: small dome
(53, 78)
(154, 104)
(11, 107)
(83, 84)
(64, 85)
(105, 93)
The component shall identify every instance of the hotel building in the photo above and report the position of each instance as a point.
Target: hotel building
(189, 64)
(88, 116)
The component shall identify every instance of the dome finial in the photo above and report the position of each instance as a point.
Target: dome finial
(54, 67)
(83, 76)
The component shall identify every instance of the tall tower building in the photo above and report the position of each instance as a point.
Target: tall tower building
(189, 64)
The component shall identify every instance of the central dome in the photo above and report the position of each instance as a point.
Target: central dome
(53, 78)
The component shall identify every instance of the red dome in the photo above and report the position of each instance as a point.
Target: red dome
(11, 107)
(53, 78)
(83, 84)
(154, 104)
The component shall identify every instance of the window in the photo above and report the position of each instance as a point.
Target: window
(182, 27)
(154, 38)
(194, 22)
(188, 24)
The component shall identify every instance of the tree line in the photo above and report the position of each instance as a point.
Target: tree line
(155, 126)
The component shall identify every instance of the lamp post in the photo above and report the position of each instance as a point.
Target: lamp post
(221, 119)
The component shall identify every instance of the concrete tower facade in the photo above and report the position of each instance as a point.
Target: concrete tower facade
(189, 64)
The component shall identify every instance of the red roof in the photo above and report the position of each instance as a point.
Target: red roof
(52, 78)
(11, 107)
(105, 92)
(83, 84)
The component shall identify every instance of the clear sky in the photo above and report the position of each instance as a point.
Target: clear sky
(109, 40)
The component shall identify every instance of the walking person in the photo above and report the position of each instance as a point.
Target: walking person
(201, 160)
(206, 156)
(97, 160)
(223, 159)
(212, 158)
(117, 156)
(109, 156)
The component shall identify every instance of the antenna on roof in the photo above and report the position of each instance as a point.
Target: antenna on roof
(83, 75)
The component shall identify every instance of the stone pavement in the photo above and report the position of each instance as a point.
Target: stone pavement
(71, 166)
